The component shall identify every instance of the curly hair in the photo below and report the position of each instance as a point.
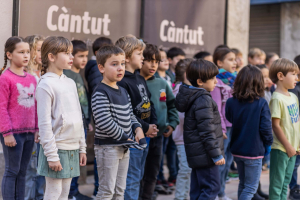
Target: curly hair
(32, 41)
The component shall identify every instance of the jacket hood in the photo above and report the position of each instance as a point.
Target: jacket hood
(52, 75)
(130, 75)
(186, 97)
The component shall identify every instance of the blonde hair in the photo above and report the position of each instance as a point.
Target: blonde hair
(282, 65)
(129, 43)
(53, 45)
(32, 41)
(255, 52)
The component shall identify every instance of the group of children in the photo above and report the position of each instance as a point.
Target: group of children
(203, 113)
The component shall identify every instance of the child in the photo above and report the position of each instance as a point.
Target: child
(284, 108)
(18, 122)
(270, 58)
(115, 124)
(203, 137)
(255, 56)
(142, 108)
(247, 108)
(174, 55)
(35, 184)
(163, 66)
(80, 54)
(184, 172)
(224, 58)
(167, 117)
(61, 133)
(239, 59)
(267, 82)
(204, 55)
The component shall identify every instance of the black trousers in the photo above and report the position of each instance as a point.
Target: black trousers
(151, 168)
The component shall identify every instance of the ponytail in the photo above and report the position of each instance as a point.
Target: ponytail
(5, 63)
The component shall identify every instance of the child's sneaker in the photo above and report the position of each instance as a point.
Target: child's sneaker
(227, 179)
(224, 198)
(168, 185)
(233, 176)
(295, 193)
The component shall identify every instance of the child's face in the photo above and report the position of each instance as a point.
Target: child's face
(209, 85)
(136, 59)
(271, 61)
(63, 60)
(80, 59)
(20, 56)
(256, 60)
(229, 63)
(164, 63)
(209, 58)
(239, 61)
(289, 81)
(267, 80)
(173, 62)
(38, 57)
(149, 67)
(113, 69)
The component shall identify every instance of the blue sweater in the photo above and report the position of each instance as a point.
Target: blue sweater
(251, 126)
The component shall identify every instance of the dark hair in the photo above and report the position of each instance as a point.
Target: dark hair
(175, 51)
(263, 66)
(297, 60)
(78, 45)
(220, 47)
(201, 69)
(201, 54)
(236, 51)
(151, 50)
(106, 52)
(10, 46)
(180, 69)
(249, 84)
(269, 56)
(99, 42)
(53, 45)
(220, 54)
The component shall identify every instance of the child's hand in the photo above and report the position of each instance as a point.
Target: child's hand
(152, 131)
(91, 128)
(224, 136)
(139, 134)
(82, 159)
(220, 162)
(55, 166)
(170, 131)
(36, 137)
(290, 150)
(10, 140)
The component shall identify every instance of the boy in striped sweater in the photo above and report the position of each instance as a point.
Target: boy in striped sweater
(115, 125)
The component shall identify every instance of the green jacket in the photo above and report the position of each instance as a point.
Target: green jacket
(163, 100)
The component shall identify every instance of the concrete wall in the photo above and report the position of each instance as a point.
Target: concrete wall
(290, 30)
(238, 26)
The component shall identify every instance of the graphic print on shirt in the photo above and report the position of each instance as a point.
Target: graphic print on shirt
(26, 95)
(294, 112)
(163, 95)
(144, 107)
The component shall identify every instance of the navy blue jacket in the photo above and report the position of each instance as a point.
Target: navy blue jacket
(251, 126)
(92, 75)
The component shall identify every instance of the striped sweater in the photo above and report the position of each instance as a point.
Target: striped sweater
(114, 118)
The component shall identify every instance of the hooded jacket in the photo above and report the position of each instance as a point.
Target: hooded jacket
(203, 137)
(92, 75)
(60, 118)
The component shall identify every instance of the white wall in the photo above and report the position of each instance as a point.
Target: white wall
(6, 8)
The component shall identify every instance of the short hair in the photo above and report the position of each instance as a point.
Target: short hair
(175, 51)
(282, 65)
(201, 69)
(297, 60)
(237, 52)
(129, 43)
(269, 56)
(201, 54)
(249, 84)
(78, 45)
(99, 42)
(151, 50)
(263, 66)
(180, 69)
(105, 52)
(220, 47)
(220, 54)
(255, 52)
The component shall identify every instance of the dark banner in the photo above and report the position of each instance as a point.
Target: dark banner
(193, 25)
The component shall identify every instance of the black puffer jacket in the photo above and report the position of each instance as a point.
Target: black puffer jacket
(92, 75)
(203, 137)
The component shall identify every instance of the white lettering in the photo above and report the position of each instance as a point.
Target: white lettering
(171, 32)
(86, 20)
(75, 19)
(186, 31)
(96, 27)
(63, 21)
(162, 30)
(106, 21)
(200, 33)
(50, 25)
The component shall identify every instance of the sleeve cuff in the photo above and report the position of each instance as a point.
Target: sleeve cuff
(6, 134)
(124, 137)
(216, 159)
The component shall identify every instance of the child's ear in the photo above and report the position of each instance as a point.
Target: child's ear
(220, 63)
(127, 60)
(170, 60)
(51, 57)
(199, 82)
(9, 55)
(280, 76)
(101, 68)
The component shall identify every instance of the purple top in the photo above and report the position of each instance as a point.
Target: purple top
(178, 132)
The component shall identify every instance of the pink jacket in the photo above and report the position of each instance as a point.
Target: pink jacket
(178, 132)
(220, 94)
(17, 103)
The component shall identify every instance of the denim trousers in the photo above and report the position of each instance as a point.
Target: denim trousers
(16, 162)
(249, 174)
(183, 180)
(293, 182)
(135, 173)
(224, 169)
(172, 159)
(205, 183)
(165, 141)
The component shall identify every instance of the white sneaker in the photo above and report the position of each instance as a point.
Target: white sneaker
(73, 198)
(224, 198)
(94, 197)
(217, 198)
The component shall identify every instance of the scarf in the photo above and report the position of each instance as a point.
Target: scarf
(227, 77)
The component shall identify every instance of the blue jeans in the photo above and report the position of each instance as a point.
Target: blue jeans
(160, 176)
(96, 178)
(205, 183)
(224, 169)
(293, 183)
(135, 173)
(249, 174)
(172, 159)
(16, 162)
(183, 176)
